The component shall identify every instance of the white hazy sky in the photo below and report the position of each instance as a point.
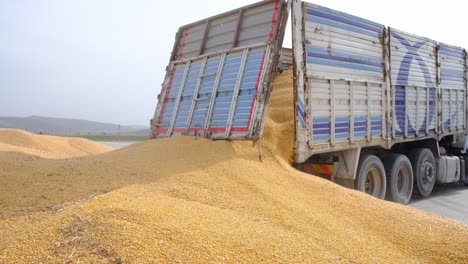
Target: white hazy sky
(104, 60)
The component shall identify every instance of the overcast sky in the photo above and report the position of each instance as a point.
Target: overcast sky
(104, 60)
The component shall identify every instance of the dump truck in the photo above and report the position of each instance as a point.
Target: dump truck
(377, 109)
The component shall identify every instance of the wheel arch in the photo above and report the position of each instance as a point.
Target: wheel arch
(405, 147)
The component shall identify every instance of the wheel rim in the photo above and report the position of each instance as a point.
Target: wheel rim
(402, 182)
(371, 183)
(428, 173)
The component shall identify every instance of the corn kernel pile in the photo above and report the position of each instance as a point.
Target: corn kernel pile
(194, 200)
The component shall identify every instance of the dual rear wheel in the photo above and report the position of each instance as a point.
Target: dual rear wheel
(395, 177)
(370, 176)
(399, 178)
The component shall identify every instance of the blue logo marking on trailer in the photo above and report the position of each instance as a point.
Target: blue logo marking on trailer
(448, 123)
(403, 76)
(300, 110)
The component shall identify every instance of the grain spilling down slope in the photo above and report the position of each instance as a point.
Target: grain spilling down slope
(195, 200)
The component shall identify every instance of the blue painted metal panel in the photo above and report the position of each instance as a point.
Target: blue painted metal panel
(321, 137)
(225, 91)
(187, 95)
(248, 88)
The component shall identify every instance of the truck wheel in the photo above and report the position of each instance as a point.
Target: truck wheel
(371, 176)
(424, 170)
(399, 178)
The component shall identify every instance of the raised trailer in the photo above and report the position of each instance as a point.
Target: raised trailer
(220, 73)
(377, 109)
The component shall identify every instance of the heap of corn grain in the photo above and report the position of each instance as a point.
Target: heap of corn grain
(14, 140)
(190, 199)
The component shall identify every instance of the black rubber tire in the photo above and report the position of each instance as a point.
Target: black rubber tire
(399, 178)
(424, 171)
(370, 177)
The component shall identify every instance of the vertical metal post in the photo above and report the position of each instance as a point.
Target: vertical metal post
(416, 126)
(161, 99)
(442, 111)
(438, 95)
(213, 94)
(176, 46)
(351, 118)
(205, 37)
(465, 93)
(384, 111)
(450, 109)
(195, 94)
(394, 117)
(332, 113)
(255, 122)
(406, 112)
(456, 111)
(427, 109)
(235, 41)
(369, 113)
(304, 134)
(179, 95)
(389, 110)
(235, 93)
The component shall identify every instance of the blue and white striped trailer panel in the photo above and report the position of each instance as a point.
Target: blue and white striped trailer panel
(452, 88)
(413, 61)
(342, 101)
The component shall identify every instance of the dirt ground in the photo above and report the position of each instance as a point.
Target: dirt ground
(196, 200)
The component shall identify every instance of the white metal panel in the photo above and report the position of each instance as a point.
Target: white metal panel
(220, 33)
(256, 24)
(190, 41)
(247, 26)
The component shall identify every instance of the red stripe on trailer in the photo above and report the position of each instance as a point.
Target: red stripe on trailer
(217, 129)
(274, 21)
(178, 130)
(166, 100)
(239, 129)
(273, 26)
(181, 53)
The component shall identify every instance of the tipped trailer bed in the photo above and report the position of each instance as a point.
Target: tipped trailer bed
(376, 108)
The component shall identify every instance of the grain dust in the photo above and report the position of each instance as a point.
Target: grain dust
(196, 200)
